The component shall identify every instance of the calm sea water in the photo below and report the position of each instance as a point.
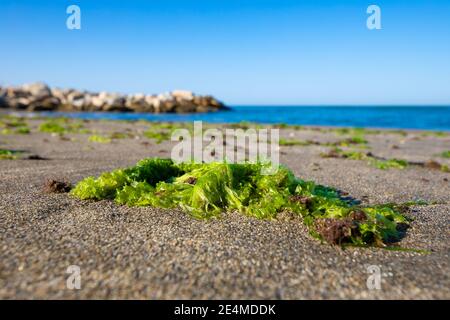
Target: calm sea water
(431, 118)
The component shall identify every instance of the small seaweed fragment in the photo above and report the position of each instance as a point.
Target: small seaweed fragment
(288, 143)
(445, 154)
(281, 125)
(63, 125)
(120, 135)
(434, 165)
(8, 154)
(431, 164)
(22, 130)
(355, 140)
(243, 125)
(35, 157)
(57, 186)
(19, 130)
(353, 131)
(354, 155)
(350, 154)
(388, 163)
(335, 231)
(206, 190)
(439, 134)
(163, 131)
(99, 139)
(333, 153)
(159, 136)
(376, 162)
(13, 125)
(401, 249)
(52, 127)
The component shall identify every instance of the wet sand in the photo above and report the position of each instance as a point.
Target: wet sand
(149, 253)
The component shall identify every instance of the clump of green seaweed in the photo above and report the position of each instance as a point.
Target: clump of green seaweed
(376, 162)
(62, 126)
(6, 154)
(163, 131)
(388, 163)
(99, 139)
(289, 143)
(439, 134)
(13, 125)
(52, 127)
(207, 190)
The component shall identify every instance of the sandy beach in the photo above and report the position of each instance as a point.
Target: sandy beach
(149, 253)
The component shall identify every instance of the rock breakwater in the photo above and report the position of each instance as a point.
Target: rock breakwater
(40, 97)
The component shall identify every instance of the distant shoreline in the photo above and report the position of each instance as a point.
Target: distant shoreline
(414, 118)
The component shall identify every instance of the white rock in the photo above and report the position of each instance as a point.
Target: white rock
(38, 89)
(98, 101)
(183, 94)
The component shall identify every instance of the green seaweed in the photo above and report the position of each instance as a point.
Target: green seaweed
(439, 134)
(398, 131)
(354, 155)
(163, 131)
(241, 125)
(52, 127)
(382, 164)
(159, 136)
(13, 125)
(288, 143)
(6, 154)
(22, 130)
(12, 121)
(355, 140)
(366, 131)
(120, 135)
(401, 249)
(99, 139)
(445, 154)
(63, 125)
(281, 126)
(388, 164)
(354, 131)
(208, 190)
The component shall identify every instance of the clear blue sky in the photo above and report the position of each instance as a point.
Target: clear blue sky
(241, 51)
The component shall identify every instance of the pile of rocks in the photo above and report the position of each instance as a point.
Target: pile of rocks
(39, 97)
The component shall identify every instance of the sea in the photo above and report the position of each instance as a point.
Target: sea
(421, 118)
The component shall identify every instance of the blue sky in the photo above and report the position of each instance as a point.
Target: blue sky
(241, 51)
